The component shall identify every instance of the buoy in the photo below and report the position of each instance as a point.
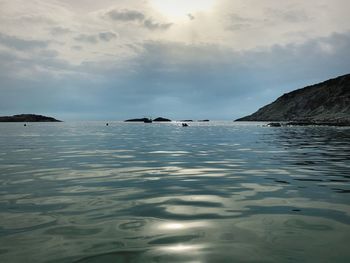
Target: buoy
(25, 125)
(107, 124)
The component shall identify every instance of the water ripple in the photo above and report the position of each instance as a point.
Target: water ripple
(216, 192)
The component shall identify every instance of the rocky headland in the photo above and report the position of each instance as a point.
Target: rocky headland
(326, 103)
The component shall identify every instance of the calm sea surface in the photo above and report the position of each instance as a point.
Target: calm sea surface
(212, 192)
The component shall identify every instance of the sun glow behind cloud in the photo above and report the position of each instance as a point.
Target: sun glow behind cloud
(178, 9)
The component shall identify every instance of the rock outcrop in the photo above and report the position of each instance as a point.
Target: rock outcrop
(138, 120)
(327, 102)
(161, 119)
(27, 118)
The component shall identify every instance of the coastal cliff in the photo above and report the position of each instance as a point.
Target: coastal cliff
(328, 101)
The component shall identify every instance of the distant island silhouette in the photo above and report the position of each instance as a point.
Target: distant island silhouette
(159, 119)
(28, 118)
(137, 120)
(324, 103)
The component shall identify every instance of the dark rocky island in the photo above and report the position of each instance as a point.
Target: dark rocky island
(326, 103)
(27, 118)
(161, 119)
(138, 120)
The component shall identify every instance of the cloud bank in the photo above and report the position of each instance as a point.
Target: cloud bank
(115, 60)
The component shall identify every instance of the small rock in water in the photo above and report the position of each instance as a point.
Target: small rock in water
(274, 124)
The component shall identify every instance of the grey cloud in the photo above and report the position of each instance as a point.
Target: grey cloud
(191, 17)
(136, 16)
(21, 44)
(152, 25)
(107, 36)
(237, 22)
(176, 80)
(291, 15)
(45, 58)
(60, 30)
(77, 48)
(238, 26)
(36, 19)
(126, 15)
(272, 16)
(92, 39)
(206, 78)
(48, 53)
(240, 19)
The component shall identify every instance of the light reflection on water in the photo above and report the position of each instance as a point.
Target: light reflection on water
(212, 192)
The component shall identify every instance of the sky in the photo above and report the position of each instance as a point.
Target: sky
(181, 59)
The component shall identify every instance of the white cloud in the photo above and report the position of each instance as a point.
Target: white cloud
(239, 24)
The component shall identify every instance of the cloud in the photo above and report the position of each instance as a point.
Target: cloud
(237, 22)
(171, 78)
(36, 19)
(77, 47)
(21, 44)
(126, 15)
(270, 18)
(107, 36)
(210, 81)
(58, 30)
(191, 17)
(95, 60)
(289, 15)
(48, 53)
(240, 19)
(92, 39)
(150, 24)
(136, 16)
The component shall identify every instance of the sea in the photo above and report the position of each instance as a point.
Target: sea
(210, 192)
